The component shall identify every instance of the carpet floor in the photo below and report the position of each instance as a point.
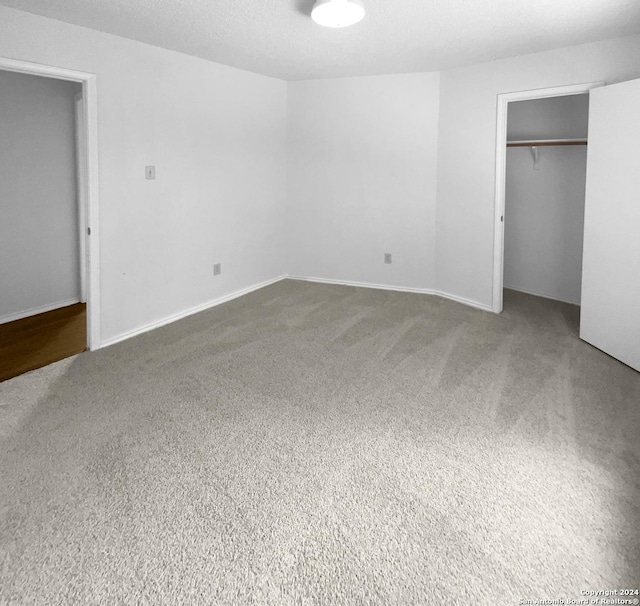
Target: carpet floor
(313, 444)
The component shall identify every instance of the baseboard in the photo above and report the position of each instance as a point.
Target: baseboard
(189, 312)
(37, 310)
(245, 291)
(537, 294)
(421, 291)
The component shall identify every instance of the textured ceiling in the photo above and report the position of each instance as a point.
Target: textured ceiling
(278, 38)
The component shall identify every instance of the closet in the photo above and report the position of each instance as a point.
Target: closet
(545, 196)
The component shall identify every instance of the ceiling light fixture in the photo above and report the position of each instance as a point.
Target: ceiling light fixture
(337, 13)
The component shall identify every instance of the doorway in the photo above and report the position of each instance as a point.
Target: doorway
(33, 296)
(542, 286)
(546, 173)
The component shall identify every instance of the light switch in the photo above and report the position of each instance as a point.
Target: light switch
(150, 172)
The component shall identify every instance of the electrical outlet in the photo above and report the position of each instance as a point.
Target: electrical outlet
(150, 172)
(387, 257)
(217, 269)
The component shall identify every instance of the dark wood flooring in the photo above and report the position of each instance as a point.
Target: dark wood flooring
(42, 339)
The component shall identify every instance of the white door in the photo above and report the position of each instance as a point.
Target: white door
(610, 314)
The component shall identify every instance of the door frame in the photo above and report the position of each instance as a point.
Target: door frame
(89, 215)
(503, 101)
(81, 188)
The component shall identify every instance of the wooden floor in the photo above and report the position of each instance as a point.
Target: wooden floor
(39, 340)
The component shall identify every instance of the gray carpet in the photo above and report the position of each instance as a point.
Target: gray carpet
(325, 445)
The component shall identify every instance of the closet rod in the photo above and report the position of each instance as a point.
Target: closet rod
(544, 142)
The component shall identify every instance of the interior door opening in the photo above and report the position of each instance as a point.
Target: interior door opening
(49, 307)
(545, 178)
(609, 291)
(538, 120)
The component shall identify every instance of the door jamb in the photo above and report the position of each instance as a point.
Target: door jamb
(81, 174)
(91, 215)
(503, 101)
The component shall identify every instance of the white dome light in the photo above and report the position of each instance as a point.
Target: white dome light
(337, 13)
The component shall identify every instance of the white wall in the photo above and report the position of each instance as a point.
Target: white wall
(466, 150)
(362, 174)
(544, 208)
(39, 265)
(360, 156)
(217, 136)
(565, 117)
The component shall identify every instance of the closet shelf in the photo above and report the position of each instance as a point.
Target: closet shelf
(543, 142)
